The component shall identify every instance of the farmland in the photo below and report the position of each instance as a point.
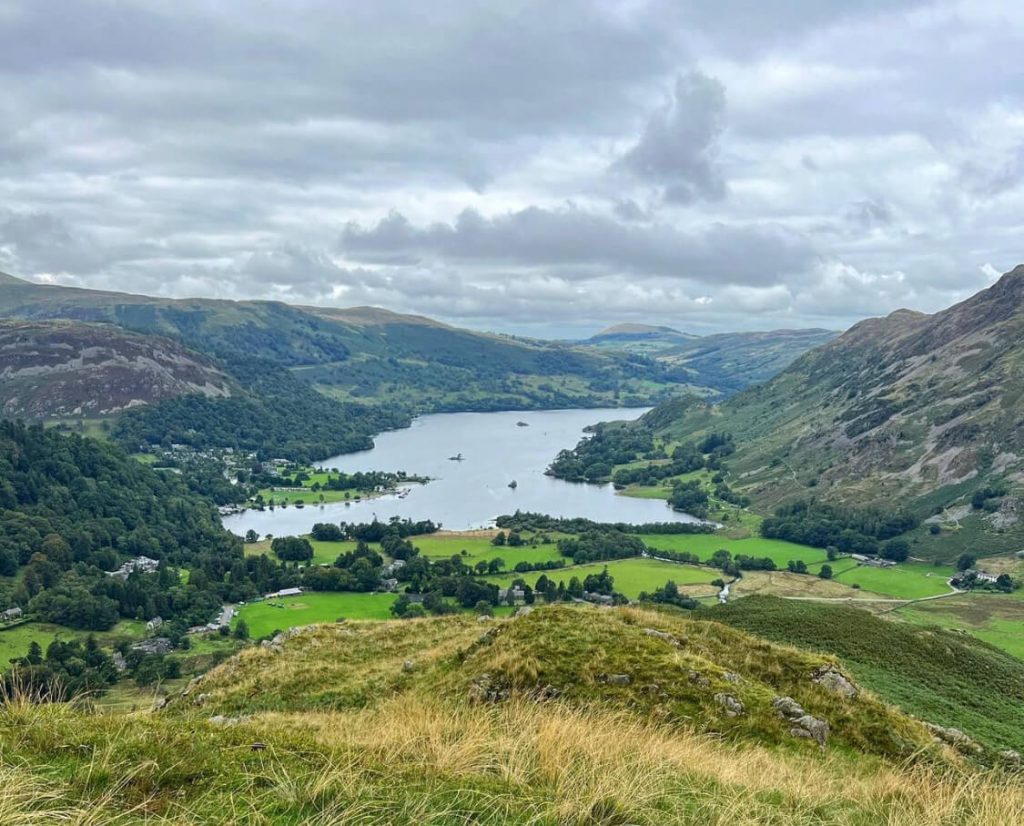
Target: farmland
(279, 614)
(631, 575)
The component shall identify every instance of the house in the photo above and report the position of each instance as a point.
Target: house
(11, 614)
(157, 645)
(285, 592)
(985, 576)
(140, 563)
(598, 599)
(517, 593)
(154, 623)
(394, 566)
(389, 584)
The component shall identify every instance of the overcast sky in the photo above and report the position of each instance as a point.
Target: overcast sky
(540, 167)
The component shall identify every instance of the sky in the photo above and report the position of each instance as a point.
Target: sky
(531, 167)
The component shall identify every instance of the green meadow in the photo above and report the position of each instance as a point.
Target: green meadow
(14, 641)
(631, 575)
(279, 614)
(905, 581)
(705, 544)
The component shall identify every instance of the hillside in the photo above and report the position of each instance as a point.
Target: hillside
(946, 678)
(74, 369)
(727, 362)
(538, 719)
(368, 354)
(920, 410)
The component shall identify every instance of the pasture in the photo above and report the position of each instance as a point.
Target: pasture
(631, 575)
(279, 614)
(705, 544)
(904, 581)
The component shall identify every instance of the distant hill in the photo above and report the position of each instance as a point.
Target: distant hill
(726, 362)
(915, 409)
(63, 368)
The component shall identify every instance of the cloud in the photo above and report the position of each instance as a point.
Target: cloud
(575, 240)
(711, 165)
(677, 149)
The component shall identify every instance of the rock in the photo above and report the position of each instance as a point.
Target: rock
(408, 665)
(618, 679)
(1010, 756)
(733, 707)
(201, 699)
(788, 708)
(221, 720)
(542, 694)
(120, 664)
(661, 635)
(731, 677)
(522, 612)
(699, 679)
(483, 690)
(816, 728)
(832, 679)
(483, 618)
(955, 738)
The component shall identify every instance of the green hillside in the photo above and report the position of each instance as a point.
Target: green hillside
(566, 715)
(943, 677)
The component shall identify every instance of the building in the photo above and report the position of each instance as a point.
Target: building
(285, 592)
(157, 645)
(154, 623)
(140, 563)
(11, 614)
(389, 584)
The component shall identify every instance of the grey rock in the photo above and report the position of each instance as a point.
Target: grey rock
(618, 679)
(832, 679)
(788, 708)
(483, 618)
(731, 677)
(221, 720)
(699, 679)
(408, 665)
(661, 635)
(541, 694)
(733, 707)
(484, 690)
(522, 612)
(955, 738)
(816, 728)
(1010, 756)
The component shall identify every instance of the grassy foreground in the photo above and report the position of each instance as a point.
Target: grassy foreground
(385, 723)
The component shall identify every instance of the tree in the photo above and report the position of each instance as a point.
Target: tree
(251, 536)
(797, 566)
(825, 572)
(965, 562)
(499, 539)
(896, 549)
(241, 630)
(483, 608)
(292, 548)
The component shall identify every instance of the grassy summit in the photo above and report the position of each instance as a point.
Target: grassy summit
(566, 715)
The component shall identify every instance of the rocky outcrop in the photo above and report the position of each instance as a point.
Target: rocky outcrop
(955, 738)
(803, 724)
(732, 705)
(832, 679)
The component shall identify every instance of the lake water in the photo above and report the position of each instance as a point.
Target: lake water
(471, 493)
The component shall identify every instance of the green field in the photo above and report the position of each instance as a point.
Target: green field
(994, 618)
(479, 548)
(14, 642)
(265, 617)
(905, 581)
(631, 575)
(705, 544)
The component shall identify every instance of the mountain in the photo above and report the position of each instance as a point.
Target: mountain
(74, 369)
(367, 354)
(915, 409)
(725, 362)
(564, 715)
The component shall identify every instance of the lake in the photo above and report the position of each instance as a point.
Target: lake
(471, 493)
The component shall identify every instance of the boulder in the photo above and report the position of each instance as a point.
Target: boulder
(731, 677)
(618, 679)
(832, 679)
(788, 708)
(1010, 757)
(815, 728)
(955, 738)
(522, 612)
(408, 665)
(732, 705)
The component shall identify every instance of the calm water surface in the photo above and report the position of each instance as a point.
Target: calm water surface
(471, 493)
